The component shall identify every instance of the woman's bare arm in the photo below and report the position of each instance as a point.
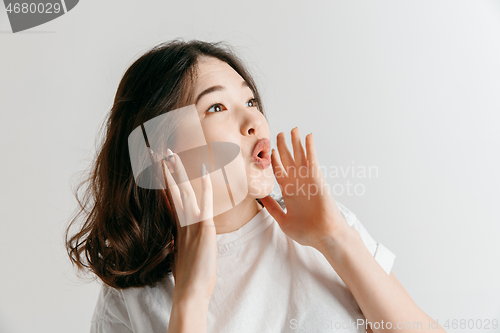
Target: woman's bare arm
(314, 219)
(189, 314)
(380, 296)
(195, 256)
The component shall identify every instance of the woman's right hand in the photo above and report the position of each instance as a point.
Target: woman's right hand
(195, 247)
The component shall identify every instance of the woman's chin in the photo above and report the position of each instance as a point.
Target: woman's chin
(260, 189)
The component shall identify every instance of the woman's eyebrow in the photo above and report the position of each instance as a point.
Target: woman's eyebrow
(216, 88)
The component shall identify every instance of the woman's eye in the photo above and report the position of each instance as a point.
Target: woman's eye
(216, 108)
(219, 107)
(253, 102)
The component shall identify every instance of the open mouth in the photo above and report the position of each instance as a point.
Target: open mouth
(260, 153)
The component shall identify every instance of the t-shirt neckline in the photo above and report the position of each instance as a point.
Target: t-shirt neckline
(229, 240)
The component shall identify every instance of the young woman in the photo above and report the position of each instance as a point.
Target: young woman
(168, 264)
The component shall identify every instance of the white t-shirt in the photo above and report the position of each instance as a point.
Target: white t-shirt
(266, 282)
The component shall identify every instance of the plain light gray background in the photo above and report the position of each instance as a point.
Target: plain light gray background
(411, 88)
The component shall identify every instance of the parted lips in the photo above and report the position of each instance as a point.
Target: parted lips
(260, 153)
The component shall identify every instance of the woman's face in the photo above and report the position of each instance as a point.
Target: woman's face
(229, 113)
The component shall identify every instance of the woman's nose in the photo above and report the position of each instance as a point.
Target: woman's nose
(251, 122)
(250, 126)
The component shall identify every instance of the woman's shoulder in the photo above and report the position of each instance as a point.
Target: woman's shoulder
(130, 307)
(348, 214)
(382, 254)
(108, 301)
(110, 309)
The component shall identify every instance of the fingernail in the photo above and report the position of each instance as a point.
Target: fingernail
(153, 154)
(203, 171)
(170, 156)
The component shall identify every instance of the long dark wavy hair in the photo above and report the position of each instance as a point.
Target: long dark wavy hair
(128, 232)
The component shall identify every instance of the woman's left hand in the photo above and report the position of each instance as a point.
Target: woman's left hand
(312, 218)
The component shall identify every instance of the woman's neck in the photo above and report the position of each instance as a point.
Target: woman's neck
(237, 217)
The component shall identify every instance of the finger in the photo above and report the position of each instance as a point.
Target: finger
(285, 156)
(188, 197)
(278, 169)
(175, 195)
(298, 151)
(311, 155)
(206, 202)
(274, 209)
